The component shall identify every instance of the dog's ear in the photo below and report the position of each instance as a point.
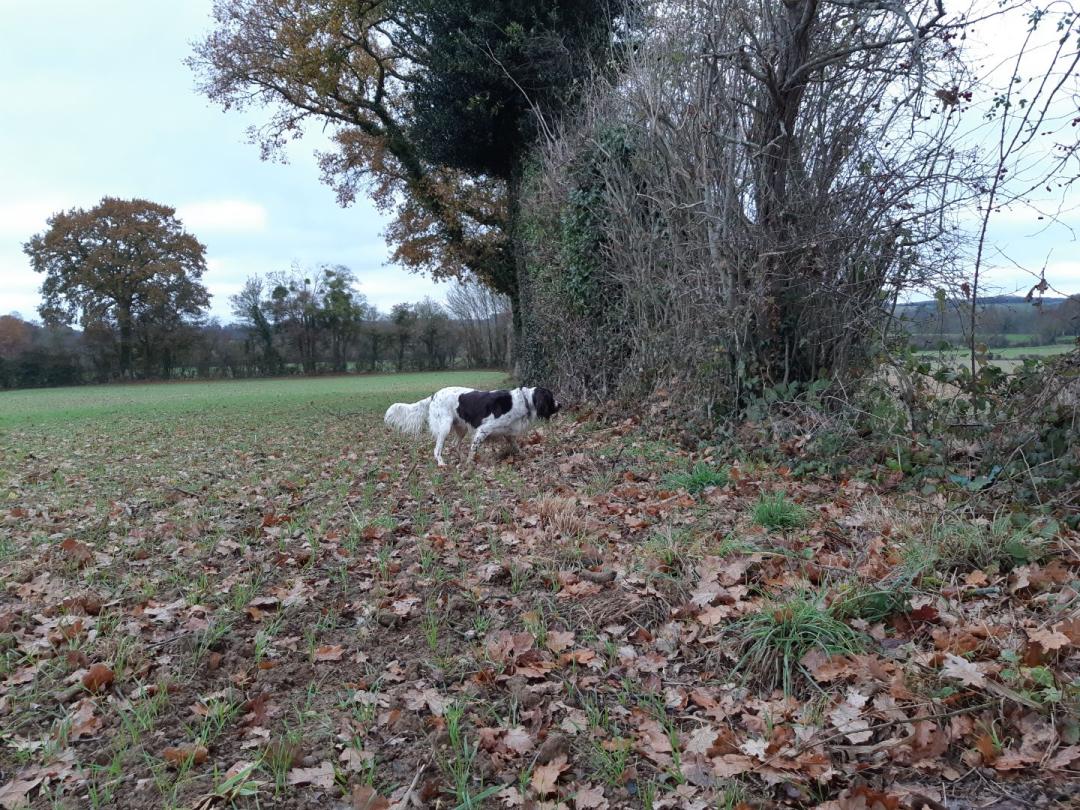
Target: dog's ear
(545, 403)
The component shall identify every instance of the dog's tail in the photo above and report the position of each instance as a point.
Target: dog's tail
(408, 418)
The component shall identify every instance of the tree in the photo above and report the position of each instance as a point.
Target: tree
(403, 318)
(123, 264)
(741, 208)
(433, 333)
(15, 336)
(430, 103)
(247, 306)
(294, 305)
(376, 332)
(482, 315)
(343, 310)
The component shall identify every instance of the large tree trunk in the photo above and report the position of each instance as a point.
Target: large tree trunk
(123, 318)
(779, 162)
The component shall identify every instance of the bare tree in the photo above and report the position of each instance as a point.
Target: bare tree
(739, 210)
(483, 316)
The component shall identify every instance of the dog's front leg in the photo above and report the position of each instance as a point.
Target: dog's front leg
(478, 437)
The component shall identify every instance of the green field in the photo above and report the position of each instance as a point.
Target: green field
(1008, 358)
(245, 398)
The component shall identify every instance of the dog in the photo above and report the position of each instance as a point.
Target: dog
(486, 413)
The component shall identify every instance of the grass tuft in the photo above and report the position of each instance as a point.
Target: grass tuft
(775, 640)
(777, 512)
(700, 476)
(963, 545)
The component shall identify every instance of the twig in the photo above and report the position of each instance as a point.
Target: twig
(185, 492)
(408, 797)
(875, 727)
(408, 475)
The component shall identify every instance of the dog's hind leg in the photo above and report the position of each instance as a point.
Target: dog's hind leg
(461, 432)
(440, 428)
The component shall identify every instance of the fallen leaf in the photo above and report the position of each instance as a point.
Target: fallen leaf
(329, 652)
(365, 798)
(13, 793)
(729, 765)
(355, 760)
(1048, 639)
(559, 640)
(322, 775)
(591, 798)
(964, 671)
(194, 754)
(98, 677)
(976, 579)
(518, 740)
(755, 748)
(79, 552)
(865, 798)
(84, 722)
(847, 717)
(545, 776)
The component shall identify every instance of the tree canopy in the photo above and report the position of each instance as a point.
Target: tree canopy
(127, 265)
(430, 104)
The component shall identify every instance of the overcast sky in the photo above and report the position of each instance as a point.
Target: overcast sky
(95, 100)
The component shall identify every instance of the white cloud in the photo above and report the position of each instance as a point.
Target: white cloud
(21, 220)
(223, 216)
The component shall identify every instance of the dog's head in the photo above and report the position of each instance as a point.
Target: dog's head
(545, 403)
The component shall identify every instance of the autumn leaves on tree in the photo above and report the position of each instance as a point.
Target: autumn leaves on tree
(432, 105)
(127, 265)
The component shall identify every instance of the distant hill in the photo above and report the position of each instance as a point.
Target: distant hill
(992, 300)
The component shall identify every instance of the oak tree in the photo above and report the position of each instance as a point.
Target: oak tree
(124, 265)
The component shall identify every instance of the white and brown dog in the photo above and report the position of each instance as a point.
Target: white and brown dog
(487, 413)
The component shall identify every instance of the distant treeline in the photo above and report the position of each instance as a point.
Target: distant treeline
(1002, 321)
(294, 322)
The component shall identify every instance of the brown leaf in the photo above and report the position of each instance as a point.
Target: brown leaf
(847, 717)
(322, 775)
(545, 776)
(964, 671)
(1048, 639)
(553, 747)
(864, 798)
(987, 747)
(90, 604)
(79, 552)
(730, 765)
(97, 678)
(355, 760)
(518, 740)
(84, 722)
(976, 579)
(329, 652)
(178, 756)
(590, 798)
(13, 793)
(365, 798)
(559, 640)
(1064, 758)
